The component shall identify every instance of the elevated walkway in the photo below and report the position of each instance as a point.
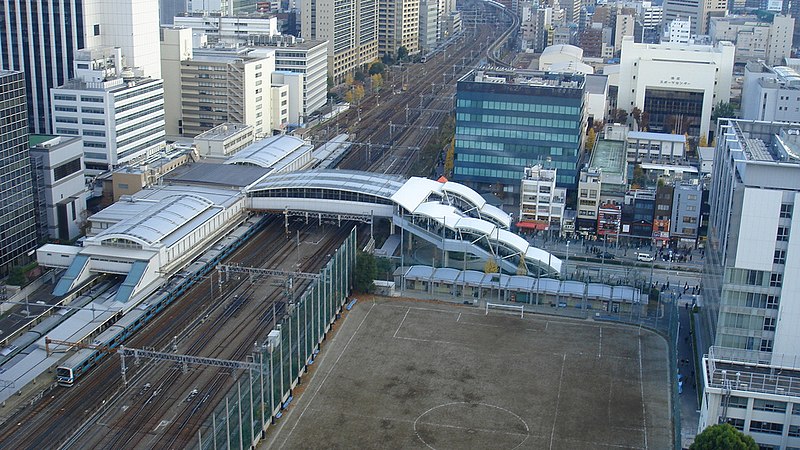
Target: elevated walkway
(449, 215)
(77, 271)
(132, 280)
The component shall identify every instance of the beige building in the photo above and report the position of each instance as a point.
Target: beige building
(398, 26)
(351, 29)
(589, 185)
(624, 27)
(754, 39)
(204, 88)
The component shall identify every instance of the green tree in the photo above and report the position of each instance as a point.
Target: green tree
(358, 93)
(723, 437)
(366, 272)
(17, 277)
(330, 83)
(377, 68)
(350, 96)
(723, 109)
(637, 115)
(402, 53)
(388, 59)
(522, 268)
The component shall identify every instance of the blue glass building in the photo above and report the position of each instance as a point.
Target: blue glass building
(507, 120)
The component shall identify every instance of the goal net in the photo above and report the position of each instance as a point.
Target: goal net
(519, 308)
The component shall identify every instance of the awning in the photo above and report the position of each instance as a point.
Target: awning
(533, 225)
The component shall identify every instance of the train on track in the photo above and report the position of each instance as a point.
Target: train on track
(79, 363)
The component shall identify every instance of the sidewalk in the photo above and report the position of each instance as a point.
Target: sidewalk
(690, 412)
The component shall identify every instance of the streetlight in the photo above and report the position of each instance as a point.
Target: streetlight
(566, 263)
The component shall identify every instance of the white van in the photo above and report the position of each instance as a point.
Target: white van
(646, 257)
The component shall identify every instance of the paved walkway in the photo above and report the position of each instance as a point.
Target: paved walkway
(690, 412)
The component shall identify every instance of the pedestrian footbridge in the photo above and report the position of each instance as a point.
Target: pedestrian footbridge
(449, 215)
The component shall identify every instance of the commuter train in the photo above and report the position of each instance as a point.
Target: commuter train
(79, 363)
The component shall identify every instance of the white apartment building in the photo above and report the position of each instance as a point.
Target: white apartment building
(770, 94)
(119, 116)
(58, 169)
(669, 80)
(309, 59)
(208, 87)
(398, 26)
(680, 30)
(351, 30)
(754, 39)
(542, 204)
(750, 284)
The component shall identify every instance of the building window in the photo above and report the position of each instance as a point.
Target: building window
(766, 427)
(772, 302)
(737, 402)
(783, 233)
(786, 210)
(766, 345)
(97, 29)
(737, 423)
(769, 324)
(780, 257)
(776, 280)
(794, 431)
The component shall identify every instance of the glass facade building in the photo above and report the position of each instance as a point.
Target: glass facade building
(509, 120)
(17, 212)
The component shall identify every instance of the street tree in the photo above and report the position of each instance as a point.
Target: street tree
(366, 272)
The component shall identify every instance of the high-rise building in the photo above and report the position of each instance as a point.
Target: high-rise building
(227, 7)
(700, 12)
(680, 30)
(119, 116)
(755, 39)
(40, 38)
(509, 120)
(398, 26)
(17, 201)
(750, 284)
(204, 88)
(351, 29)
(168, 9)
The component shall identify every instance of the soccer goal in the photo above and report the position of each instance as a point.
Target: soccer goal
(519, 308)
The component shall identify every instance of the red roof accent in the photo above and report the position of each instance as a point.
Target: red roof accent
(442, 179)
(533, 225)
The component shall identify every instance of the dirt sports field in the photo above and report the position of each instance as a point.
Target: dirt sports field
(417, 375)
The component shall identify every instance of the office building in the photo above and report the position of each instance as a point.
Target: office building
(119, 116)
(589, 185)
(755, 39)
(168, 9)
(40, 39)
(507, 120)
(60, 186)
(623, 26)
(207, 87)
(770, 93)
(699, 11)
(219, 27)
(352, 38)
(398, 26)
(17, 198)
(750, 284)
(677, 84)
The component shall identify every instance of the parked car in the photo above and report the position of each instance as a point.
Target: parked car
(607, 255)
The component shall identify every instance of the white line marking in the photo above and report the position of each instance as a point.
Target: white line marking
(459, 317)
(558, 400)
(322, 383)
(401, 322)
(546, 324)
(427, 340)
(600, 349)
(641, 384)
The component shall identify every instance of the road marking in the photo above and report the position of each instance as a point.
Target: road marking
(600, 349)
(401, 322)
(459, 317)
(558, 400)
